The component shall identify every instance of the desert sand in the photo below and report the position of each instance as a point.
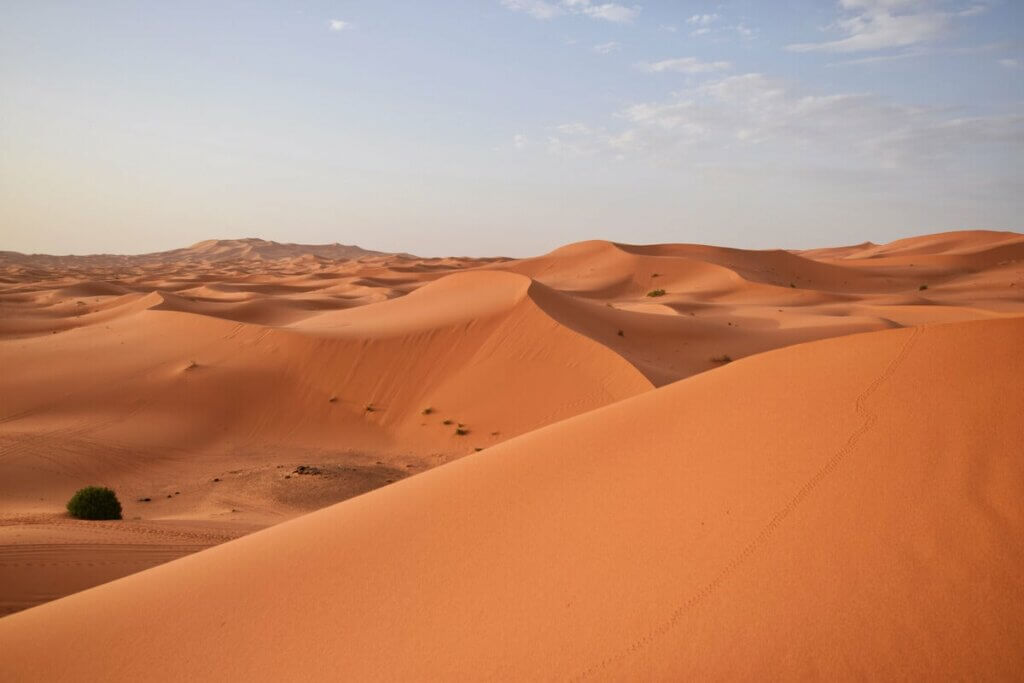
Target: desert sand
(785, 464)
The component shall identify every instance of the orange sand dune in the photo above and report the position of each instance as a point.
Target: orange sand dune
(202, 378)
(167, 389)
(247, 280)
(702, 530)
(48, 556)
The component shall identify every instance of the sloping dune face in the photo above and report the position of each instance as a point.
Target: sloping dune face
(238, 383)
(409, 383)
(677, 309)
(250, 280)
(699, 531)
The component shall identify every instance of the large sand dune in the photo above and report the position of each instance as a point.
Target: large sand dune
(848, 508)
(199, 382)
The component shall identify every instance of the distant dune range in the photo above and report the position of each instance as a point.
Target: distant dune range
(600, 527)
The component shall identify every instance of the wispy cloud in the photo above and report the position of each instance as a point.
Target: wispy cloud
(881, 24)
(685, 65)
(919, 51)
(744, 31)
(1010, 63)
(702, 19)
(757, 118)
(913, 53)
(607, 11)
(711, 24)
(702, 22)
(338, 25)
(973, 10)
(607, 48)
(538, 9)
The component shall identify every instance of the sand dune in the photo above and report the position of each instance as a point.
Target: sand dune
(202, 378)
(697, 531)
(47, 556)
(177, 389)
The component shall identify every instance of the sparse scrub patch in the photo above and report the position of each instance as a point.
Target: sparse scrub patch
(428, 410)
(446, 422)
(656, 292)
(724, 358)
(94, 502)
(461, 431)
(922, 288)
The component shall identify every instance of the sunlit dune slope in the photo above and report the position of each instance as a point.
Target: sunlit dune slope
(849, 508)
(607, 269)
(461, 364)
(139, 370)
(247, 280)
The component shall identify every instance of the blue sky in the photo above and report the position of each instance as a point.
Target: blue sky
(507, 126)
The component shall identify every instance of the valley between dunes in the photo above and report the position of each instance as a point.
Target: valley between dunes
(610, 461)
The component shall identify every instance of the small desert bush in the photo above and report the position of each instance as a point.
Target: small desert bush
(724, 358)
(461, 431)
(94, 502)
(656, 292)
(922, 288)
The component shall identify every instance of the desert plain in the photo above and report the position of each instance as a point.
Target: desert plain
(611, 461)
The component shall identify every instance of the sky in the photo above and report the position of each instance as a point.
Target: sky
(507, 127)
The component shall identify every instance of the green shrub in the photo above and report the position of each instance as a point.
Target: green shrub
(656, 292)
(94, 502)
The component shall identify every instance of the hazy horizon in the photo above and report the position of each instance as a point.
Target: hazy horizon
(441, 254)
(507, 127)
